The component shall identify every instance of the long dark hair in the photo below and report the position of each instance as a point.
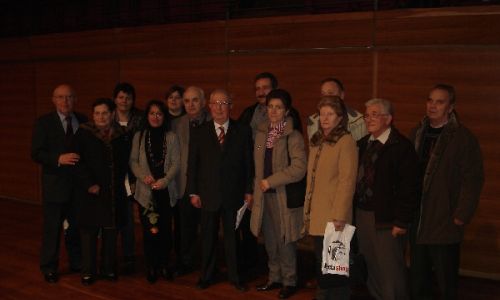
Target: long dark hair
(340, 130)
(163, 108)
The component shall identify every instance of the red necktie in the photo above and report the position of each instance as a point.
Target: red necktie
(222, 135)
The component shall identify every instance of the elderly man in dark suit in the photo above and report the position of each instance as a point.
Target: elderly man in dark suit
(52, 148)
(220, 175)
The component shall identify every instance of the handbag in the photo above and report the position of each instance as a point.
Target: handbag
(295, 191)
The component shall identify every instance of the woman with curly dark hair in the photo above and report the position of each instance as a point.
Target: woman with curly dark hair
(154, 160)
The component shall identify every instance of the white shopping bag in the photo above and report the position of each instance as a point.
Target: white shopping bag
(336, 247)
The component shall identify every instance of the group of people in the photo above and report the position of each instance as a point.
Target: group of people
(191, 169)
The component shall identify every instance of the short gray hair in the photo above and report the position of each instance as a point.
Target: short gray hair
(385, 104)
(199, 90)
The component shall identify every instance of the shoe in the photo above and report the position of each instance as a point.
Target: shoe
(110, 276)
(287, 291)
(51, 277)
(268, 286)
(151, 276)
(239, 286)
(167, 274)
(202, 284)
(88, 280)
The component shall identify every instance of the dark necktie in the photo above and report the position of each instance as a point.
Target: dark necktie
(222, 135)
(69, 132)
(364, 188)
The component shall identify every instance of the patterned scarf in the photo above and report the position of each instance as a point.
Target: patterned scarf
(274, 133)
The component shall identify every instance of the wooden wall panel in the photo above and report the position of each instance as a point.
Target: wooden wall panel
(18, 176)
(301, 32)
(71, 46)
(172, 39)
(90, 79)
(446, 26)
(301, 74)
(152, 76)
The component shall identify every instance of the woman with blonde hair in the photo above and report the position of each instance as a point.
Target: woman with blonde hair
(331, 181)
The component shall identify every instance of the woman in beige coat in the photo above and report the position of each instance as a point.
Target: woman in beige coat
(331, 179)
(280, 159)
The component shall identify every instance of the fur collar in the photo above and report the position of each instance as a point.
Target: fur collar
(116, 130)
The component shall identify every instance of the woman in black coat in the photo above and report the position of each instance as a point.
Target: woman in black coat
(104, 150)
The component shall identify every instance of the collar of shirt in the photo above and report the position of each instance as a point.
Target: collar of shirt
(383, 137)
(225, 125)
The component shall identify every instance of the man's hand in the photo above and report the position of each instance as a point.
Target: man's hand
(458, 222)
(196, 201)
(264, 185)
(68, 159)
(148, 179)
(249, 200)
(94, 190)
(397, 231)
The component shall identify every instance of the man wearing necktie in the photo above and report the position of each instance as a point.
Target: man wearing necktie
(220, 178)
(52, 148)
(385, 201)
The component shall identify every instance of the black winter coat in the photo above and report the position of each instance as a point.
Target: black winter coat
(104, 163)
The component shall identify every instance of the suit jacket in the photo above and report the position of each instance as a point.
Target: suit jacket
(181, 127)
(220, 175)
(46, 147)
(395, 185)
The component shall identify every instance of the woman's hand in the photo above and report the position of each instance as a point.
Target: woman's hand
(264, 185)
(156, 185)
(339, 225)
(148, 179)
(94, 190)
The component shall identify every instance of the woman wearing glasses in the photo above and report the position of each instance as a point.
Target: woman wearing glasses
(280, 159)
(155, 162)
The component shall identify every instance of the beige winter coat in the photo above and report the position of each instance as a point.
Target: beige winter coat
(332, 189)
(283, 173)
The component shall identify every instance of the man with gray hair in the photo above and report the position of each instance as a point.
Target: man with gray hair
(385, 201)
(196, 115)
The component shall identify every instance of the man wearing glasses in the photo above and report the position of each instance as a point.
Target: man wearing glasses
(220, 178)
(52, 148)
(385, 201)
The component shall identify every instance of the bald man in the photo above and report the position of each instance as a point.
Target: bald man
(52, 148)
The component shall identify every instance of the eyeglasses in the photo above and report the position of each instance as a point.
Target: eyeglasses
(156, 114)
(219, 103)
(374, 116)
